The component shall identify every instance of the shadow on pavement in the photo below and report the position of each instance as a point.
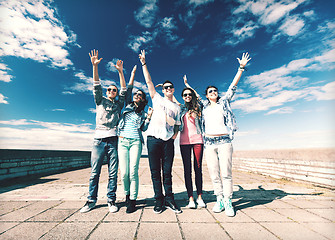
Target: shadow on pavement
(261, 196)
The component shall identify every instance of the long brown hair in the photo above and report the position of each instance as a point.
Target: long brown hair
(193, 105)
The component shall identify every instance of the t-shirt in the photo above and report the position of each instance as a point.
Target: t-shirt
(165, 116)
(189, 134)
(131, 121)
(214, 120)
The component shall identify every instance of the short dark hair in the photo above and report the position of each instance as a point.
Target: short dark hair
(167, 81)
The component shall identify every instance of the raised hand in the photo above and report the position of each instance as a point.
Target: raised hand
(185, 79)
(94, 57)
(245, 59)
(142, 57)
(134, 69)
(119, 65)
(150, 111)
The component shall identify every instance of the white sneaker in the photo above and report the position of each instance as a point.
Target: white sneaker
(201, 203)
(229, 210)
(191, 205)
(89, 205)
(218, 207)
(112, 207)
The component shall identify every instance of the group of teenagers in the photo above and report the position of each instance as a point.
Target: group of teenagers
(206, 127)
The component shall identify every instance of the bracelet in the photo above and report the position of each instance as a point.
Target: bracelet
(241, 68)
(143, 64)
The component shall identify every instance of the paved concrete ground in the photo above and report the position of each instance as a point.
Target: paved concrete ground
(48, 208)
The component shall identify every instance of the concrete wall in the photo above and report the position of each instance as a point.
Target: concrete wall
(315, 166)
(23, 163)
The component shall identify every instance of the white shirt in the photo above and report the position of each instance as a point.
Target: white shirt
(214, 120)
(165, 116)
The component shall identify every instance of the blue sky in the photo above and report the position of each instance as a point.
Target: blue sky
(285, 99)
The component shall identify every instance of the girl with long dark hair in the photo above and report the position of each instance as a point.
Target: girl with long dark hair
(132, 122)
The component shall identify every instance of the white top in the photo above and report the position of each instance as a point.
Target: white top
(100, 133)
(165, 116)
(214, 120)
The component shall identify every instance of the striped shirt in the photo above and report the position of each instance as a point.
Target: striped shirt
(130, 130)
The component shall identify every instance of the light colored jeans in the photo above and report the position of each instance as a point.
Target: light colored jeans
(129, 150)
(219, 162)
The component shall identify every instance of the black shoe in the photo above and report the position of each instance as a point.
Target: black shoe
(127, 199)
(158, 208)
(131, 207)
(171, 204)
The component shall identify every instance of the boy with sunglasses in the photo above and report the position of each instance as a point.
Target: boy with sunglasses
(162, 131)
(108, 112)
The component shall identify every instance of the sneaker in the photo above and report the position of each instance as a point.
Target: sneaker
(171, 204)
(89, 205)
(191, 205)
(218, 207)
(201, 203)
(229, 210)
(112, 207)
(158, 208)
(131, 206)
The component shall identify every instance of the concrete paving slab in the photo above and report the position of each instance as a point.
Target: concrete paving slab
(325, 213)
(159, 230)
(4, 226)
(325, 229)
(293, 231)
(166, 216)
(326, 203)
(240, 217)
(266, 215)
(248, 231)
(95, 215)
(70, 231)
(122, 216)
(52, 215)
(305, 203)
(70, 205)
(200, 215)
(203, 231)
(7, 207)
(31, 230)
(301, 215)
(115, 230)
(278, 204)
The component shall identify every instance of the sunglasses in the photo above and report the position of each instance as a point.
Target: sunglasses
(111, 89)
(212, 90)
(138, 94)
(168, 87)
(187, 94)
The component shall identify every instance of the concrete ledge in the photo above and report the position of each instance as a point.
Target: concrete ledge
(24, 163)
(316, 166)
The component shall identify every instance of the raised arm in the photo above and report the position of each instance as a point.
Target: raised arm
(151, 86)
(119, 68)
(188, 85)
(132, 76)
(95, 61)
(243, 62)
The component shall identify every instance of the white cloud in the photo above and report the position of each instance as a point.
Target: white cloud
(326, 92)
(292, 26)
(137, 42)
(146, 15)
(4, 75)
(282, 110)
(110, 65)
(3, 99)
(30, 29)
(31, 134)
(58, 110)
(200, 2)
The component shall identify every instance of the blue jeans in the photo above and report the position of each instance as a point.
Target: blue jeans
(101, 148)
(129, 150)
(161, 154)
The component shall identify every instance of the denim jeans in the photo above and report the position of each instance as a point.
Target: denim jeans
(186, 152)
(161, 154)
(129, 150)
(101, 148)
(219, 162)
